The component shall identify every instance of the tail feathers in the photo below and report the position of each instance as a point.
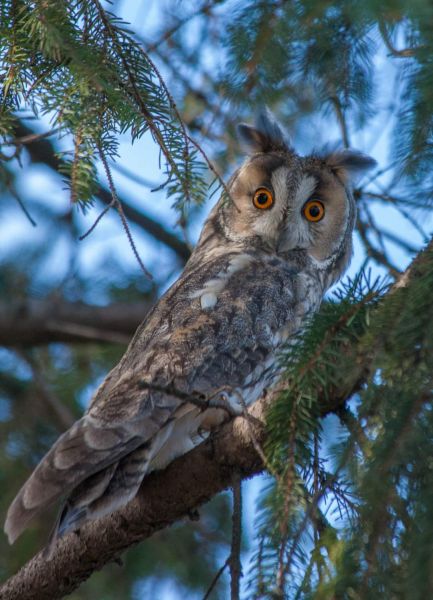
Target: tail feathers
(86, 448)
(120, 489)
(102, 493)
(74, 510)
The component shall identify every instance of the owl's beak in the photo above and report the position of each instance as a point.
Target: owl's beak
(285, 241)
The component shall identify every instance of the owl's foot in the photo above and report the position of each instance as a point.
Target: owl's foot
(228, 399)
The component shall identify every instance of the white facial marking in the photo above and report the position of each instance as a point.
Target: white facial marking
(208, 294)
(268, 221)
(305, 189)
(298, 233)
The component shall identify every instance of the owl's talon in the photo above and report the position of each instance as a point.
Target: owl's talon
(230, 405)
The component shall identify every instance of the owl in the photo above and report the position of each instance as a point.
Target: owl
(267, 253)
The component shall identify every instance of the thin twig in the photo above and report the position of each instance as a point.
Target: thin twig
(172, 30)
(64, 417)
(23, 207)
(214, 171)
(403, 53)
(376, 175)
(374, 253)
(202, 401)
(98, 218)
(215, 579)
(28, 139)
(131, 241)
(375, 229)
(119, 208)
(134, 177)
(74, 166)
(341, 120)
(354, 428)
(195, 92)
(235, 554)
(398, 202)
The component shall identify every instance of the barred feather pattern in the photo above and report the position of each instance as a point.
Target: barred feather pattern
(253, 279)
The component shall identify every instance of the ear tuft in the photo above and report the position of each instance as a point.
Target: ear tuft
(266, 135)
(349, 165)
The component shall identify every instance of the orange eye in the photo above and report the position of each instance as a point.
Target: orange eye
(263, 198)
(314, 211)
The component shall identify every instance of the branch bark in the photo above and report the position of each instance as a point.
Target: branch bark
(35, 322)
(164, 498)
(169, 495)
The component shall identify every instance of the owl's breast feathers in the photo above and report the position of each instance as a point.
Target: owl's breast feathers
(217, 328)
(257, 303)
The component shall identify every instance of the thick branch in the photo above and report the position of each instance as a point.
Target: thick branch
(164, 498)
(35, 322)
(168, 495)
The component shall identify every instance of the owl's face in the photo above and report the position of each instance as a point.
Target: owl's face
(290, 202)
(282, 202)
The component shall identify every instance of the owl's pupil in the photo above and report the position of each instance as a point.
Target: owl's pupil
(314, 211)
(262, 198)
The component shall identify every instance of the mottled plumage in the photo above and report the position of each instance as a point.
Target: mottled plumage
(254, 277)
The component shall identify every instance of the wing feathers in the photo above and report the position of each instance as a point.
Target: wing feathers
(87, 447)
(104, 492)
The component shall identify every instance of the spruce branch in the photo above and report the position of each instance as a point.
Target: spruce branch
(403, 53)
(13, 192)
(118, 205)
(111, 32)
(205, 9)
(171, 494)
(41, 150)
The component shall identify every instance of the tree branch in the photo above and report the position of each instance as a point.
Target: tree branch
(235, 554)
(36, 322)
(172, 494)
(42, 151)
(165, 497)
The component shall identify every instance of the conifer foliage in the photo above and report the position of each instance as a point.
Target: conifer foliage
(346, 507)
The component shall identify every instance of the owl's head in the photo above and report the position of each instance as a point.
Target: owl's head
(282, 202)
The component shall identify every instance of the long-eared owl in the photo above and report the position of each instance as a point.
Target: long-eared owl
(264, 259)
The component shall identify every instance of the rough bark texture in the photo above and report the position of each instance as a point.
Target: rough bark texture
(164, 498)
(34, 322)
